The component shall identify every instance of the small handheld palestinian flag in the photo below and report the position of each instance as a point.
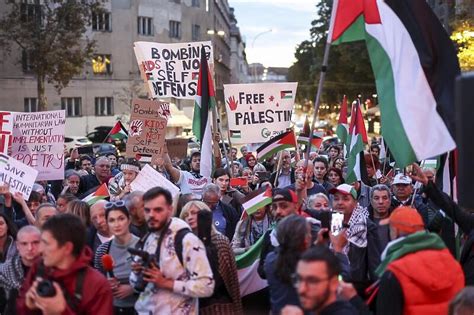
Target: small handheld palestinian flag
(281, 142)
(303, 138)
(118, 132)
(101, 193)
(257, 199)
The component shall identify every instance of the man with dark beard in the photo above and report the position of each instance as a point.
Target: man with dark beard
(316, 281)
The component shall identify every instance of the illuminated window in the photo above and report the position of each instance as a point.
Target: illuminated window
(102, 64)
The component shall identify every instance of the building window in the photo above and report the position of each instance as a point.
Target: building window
(26, 62)
(196, 32)
(145, 26)
(31, 104)
(29, 12)
(104, 106)
(196, 3)
(175, 29)
(101, 22)
(102, 64)
(72, 105)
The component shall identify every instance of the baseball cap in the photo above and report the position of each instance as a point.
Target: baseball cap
(345, 189)
(401, 178)
(405, 219)
(284, 194)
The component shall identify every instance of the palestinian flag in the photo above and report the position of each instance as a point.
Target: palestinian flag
(247, 265)
(118, 131)
(286, 94)
(303, 138)
(446, 175)
(415, 67)
(356, 170)
(257, 199)
(342, 129)
(203, 104)
(101, 193)
(281, 142)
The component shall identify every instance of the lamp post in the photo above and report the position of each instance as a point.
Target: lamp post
(253, 43)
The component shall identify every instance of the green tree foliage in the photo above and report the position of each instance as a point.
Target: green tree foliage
(349, 70)
(49, 36)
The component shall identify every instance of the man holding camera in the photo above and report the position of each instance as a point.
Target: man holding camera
(63, 282)
(170, 279)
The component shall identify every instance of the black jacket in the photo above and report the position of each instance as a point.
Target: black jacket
(292, 177)
(231, 217)
(364, 261)
(464, 219)
(87, 183)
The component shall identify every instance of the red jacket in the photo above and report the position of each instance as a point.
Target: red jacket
(429, 280)
(96, 292)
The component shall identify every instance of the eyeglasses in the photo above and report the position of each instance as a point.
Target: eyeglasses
(309, 281)
(115, 204)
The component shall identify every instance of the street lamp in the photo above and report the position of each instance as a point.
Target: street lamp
(253, 43)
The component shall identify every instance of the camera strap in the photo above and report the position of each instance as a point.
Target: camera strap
(160, 240)
(72, 301)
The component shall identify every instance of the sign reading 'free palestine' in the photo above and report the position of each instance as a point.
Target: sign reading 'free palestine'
(258, 112)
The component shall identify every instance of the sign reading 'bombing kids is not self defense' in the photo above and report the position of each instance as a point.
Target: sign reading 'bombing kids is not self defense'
(172, 70)
(258, 112)
(147, 131)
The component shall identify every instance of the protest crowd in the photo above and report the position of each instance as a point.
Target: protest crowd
(263, 220)
(320, 245)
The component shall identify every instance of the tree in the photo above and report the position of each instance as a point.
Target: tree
(349, 70)
(50, 36)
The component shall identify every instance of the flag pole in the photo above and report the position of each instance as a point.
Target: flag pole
(322, 78)
(278, 168)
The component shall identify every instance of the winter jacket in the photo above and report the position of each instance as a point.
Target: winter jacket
(96, 292)
(429, 280)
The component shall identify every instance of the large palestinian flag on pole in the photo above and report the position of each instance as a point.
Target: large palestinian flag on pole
(205, 100)
(342, 129)
(415, 67)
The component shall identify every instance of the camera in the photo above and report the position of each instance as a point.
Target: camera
(146, 259)
(46, 288)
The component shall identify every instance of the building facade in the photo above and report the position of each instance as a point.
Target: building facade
(102, 93)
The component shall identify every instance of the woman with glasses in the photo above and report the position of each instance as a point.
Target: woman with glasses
(119, 185)
(226, 297)
(118, 221)
(293, 235)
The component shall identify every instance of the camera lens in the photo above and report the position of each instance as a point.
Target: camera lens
(45, 289)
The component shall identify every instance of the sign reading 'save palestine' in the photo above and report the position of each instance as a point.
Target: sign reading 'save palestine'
(146, 134)
(258, 112)
(18, 176)
(38, 141)
(171, 70)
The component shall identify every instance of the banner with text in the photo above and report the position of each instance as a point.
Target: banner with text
(6, 131)
(18, 176)
(258, 112)
(38, 141)
(147, 131)
(171, 70)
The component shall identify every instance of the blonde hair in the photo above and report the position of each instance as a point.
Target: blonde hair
(196, 203)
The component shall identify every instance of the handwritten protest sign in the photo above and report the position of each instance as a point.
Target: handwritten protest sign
(177, 147)
(18, 176)
(6, 130)
(146, 135)
(171, 70)
(38, 141)
(258, 112)
(149, 178)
